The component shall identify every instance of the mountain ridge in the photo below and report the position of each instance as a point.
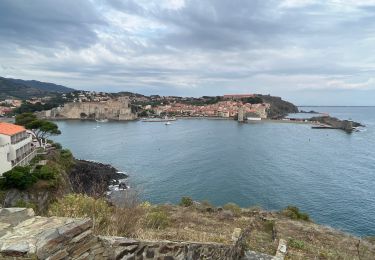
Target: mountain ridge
(25, 89)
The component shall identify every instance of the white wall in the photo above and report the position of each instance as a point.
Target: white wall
(7, 148)
(5, 165)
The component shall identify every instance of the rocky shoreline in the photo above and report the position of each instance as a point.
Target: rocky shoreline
(94, 178)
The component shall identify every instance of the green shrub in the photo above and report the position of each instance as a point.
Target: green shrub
(36, 159)
(24, 204)
(3, 195)
(293, 212)
(157, 219)
(269, 225)
(66, 159)
(19, 178)
(66, 154)
(82, 206)
(47, 172)
(298, 244)
(236, 210)
(58, 146)
(186, 201)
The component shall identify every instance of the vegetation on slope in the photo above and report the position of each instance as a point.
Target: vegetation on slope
(26, 89)
(202, 222)
(9, 89)
(46, 86)
(279, 108)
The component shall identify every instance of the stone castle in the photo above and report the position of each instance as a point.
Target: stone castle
(118, 109)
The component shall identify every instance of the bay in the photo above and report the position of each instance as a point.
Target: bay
(327, 173)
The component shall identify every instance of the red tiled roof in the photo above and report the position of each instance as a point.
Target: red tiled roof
(10, 129)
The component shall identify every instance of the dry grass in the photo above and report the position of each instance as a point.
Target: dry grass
(202, 223)
(311, 241)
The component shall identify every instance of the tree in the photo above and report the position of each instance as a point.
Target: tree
(19, 177)
(42, 129)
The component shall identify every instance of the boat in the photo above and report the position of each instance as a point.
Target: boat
(254, 119)
(165, 119)
(167, 123)
(101, 120)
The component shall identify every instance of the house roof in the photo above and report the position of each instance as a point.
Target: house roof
(10, 129)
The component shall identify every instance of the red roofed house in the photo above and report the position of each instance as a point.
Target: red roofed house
(15, 147)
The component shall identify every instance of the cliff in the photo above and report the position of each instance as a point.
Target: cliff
(93, 178)
(278, 108)
(79, 176)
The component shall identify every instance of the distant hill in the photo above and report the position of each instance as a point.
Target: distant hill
(50, 87)
(25, 89)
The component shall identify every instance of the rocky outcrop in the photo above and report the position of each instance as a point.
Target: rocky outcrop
(26, 236)
(278, 108)
(93, 178)
(335, 123)
(39, 199)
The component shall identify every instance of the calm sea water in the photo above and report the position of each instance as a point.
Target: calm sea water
(328, 173)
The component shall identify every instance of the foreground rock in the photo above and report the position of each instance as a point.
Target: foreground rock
(25, 236)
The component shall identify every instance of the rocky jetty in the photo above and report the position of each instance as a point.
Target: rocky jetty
(335, 123)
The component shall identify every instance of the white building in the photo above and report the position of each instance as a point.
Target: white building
(16, 147)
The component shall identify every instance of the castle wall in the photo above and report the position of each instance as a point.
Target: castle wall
(112, 110)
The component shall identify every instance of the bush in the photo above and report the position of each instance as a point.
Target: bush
(82, 206)
(207, 206)
(24, 204)
(157, 219)
(107, 220)
(36, 159)
(66, 159)
(19, 178)
(293, 212)
(47, 172)
(294, 243)
(58, 146)
(186, 201)
(236, 210)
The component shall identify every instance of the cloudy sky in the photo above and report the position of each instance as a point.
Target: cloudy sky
(308, 51)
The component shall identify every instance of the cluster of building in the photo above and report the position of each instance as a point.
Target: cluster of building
(220, 109)
(228, 107)
(87, 96)
(8, 105)
(16, 146)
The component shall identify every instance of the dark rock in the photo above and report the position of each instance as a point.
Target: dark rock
(93, 178)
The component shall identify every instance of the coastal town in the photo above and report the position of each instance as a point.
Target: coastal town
(91, 105)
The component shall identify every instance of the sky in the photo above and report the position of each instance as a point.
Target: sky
(310, 52)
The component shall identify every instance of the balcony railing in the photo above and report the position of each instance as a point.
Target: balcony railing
(25, 160)
(19, 140)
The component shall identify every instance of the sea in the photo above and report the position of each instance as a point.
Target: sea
(327, 173)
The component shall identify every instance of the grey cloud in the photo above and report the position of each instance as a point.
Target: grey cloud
(45, 23)
(214, 45)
